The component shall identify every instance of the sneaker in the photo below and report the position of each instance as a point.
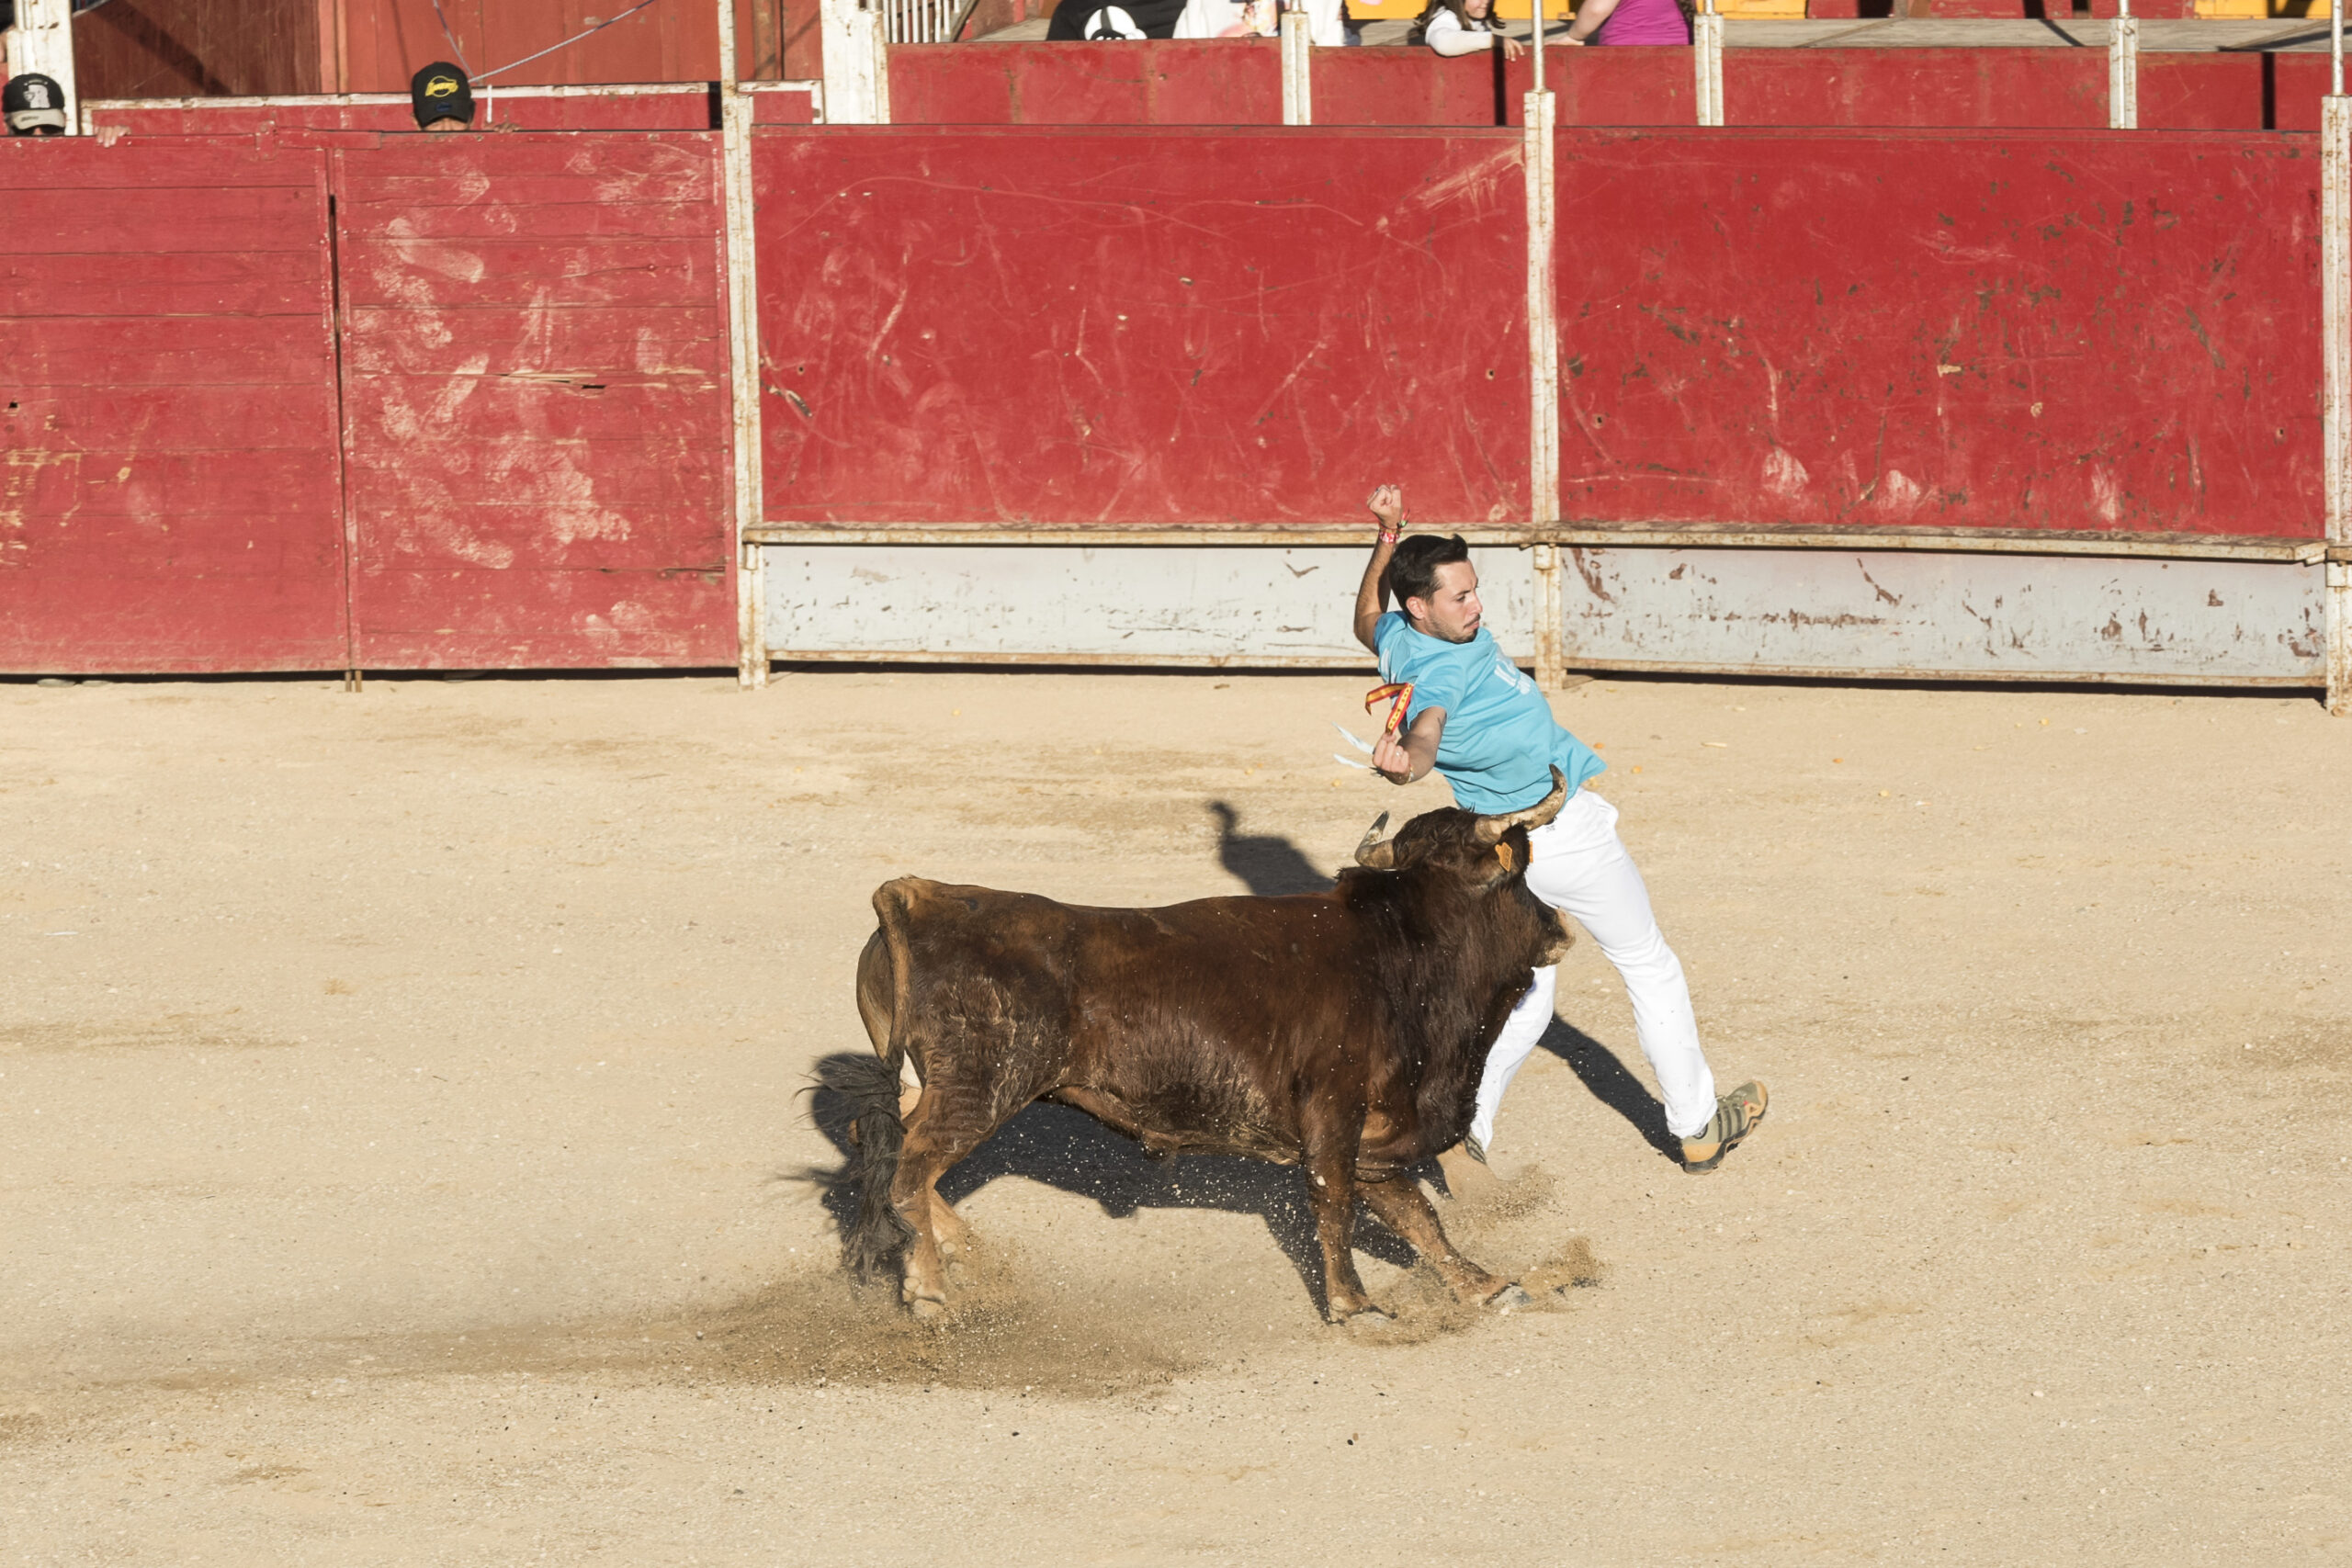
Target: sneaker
(1737, 1114)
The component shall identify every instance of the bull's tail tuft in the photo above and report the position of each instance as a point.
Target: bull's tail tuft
(866, 1090)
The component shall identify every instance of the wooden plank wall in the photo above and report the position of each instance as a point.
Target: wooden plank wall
(1077, 327)
(536, 394)
(174, 49)
(2080, 332)
(170, 489)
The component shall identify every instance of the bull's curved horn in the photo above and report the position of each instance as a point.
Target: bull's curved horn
(1372, 852)
(1490, 829)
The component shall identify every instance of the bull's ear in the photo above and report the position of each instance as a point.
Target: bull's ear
(1490, 829)
(1374, 853)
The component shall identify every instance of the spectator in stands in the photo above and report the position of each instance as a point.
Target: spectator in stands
(1466, 27)
(1630, 21)
(1130, 19)
(444, 99)
(1326, 21)
(34, 105)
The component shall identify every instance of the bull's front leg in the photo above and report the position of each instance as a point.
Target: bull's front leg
(1401, 1206)
(1330, 1166)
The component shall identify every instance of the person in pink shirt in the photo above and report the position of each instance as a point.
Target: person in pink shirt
(1630, 21)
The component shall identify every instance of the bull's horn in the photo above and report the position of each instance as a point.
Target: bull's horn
(1372, 852)
(1490, 829)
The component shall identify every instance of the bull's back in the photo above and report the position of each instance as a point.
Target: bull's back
(1194, 1022)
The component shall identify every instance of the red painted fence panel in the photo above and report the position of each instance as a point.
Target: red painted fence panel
(1066, 327)
(536, 400)
(170, 491)
(2024, 88)
(2080, 333)
(677, 107)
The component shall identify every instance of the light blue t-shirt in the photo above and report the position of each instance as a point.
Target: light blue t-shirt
(1500, 742)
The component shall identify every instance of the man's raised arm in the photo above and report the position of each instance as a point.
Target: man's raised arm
(1387, 504)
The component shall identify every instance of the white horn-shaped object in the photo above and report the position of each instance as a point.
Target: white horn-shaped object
(1372, 852)
(1490, 829)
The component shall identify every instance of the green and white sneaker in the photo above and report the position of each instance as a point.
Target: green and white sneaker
(1737, 1114)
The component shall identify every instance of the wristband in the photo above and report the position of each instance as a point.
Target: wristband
(1388, 535)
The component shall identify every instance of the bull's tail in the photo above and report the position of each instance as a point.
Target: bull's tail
(868, 1089)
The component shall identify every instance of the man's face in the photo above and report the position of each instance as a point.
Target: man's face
(1452, 613)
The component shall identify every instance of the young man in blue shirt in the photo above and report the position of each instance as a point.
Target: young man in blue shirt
(1482, 725)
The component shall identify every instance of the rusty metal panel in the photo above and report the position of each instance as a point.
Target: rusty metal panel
(170, 494)
(1960, 616)
(2082, 331)
(1267, 606)
(535, 362)
(1037, 327)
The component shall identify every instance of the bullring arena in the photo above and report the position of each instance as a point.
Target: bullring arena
(484, 613)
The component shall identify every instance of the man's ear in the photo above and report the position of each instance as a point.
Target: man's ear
(1416, 609)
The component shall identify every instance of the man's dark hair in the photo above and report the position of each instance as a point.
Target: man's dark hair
(1412, 570)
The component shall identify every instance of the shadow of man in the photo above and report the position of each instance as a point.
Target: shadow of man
(1597, 1068)
(1267, 863)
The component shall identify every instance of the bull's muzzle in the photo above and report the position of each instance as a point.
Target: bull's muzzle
(1373, 853)
(1490, 829)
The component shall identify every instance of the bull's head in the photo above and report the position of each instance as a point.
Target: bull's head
(1485, 852)
(1451, 834)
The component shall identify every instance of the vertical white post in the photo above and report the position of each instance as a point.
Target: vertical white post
(1707, 58)
(2123, 70)
(1542, 382)
(1298, 44)
(857, 69)
(742, 357)
(43, 41)
(2335, 386)
(1537, 10)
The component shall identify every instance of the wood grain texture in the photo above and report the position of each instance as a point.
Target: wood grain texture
(170, 491)
(535, 400)
(1083, 326)
(2081, 332)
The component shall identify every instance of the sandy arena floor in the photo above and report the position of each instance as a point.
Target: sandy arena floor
(403, 1157)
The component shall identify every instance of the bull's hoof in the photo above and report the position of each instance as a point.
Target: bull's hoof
(928, 1311)
(1511, 1298)
(1369, 1317)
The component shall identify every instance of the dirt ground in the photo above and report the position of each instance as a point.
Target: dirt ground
(406, 1156)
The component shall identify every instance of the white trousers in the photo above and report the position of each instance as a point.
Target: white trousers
(1581, 868)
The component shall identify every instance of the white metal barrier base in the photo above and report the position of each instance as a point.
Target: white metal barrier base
(1896, 613)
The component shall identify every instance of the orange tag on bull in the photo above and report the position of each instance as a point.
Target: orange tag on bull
(1402, 692)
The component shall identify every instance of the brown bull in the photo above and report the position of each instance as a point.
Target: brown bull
(1344, 1030)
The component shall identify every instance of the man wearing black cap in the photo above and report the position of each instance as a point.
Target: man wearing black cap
(34, 105)
(441, 97)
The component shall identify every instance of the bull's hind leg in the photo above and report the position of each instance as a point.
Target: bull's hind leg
(1399, 1205)
(937, 1137)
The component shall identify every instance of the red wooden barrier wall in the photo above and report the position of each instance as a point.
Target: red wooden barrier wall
(1228, 81)
(1140, 327)
(2084, 332)
(169, 486)
(536, 400)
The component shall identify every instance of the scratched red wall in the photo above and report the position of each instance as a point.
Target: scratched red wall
(2080, 332)
(169, 492)
(685, 107)
(1052, 327)
(536, 400)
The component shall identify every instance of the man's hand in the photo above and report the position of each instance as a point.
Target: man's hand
(1401, 759)
(1391, 760)
(1387, 504)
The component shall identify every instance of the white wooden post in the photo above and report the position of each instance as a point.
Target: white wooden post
(857, 62)
(1707, 57)
(2123, 70)
(43, 41)
(1298, 44)
(1543, 383)
(743, 356)
(2336, 383)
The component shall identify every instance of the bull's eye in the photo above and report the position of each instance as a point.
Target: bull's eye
(1502, 854)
